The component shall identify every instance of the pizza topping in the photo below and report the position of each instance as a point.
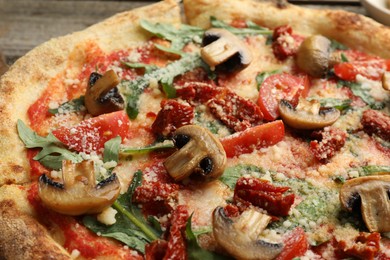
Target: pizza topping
(281, 86)
(327, 142)
(386, 80)
(307, 114)
(240, 235)
(202, 156)
(224, 51)
(78, 193)
(363, 246)
(284, 42)
(370, 194)
(253, 138)
(102, 95)
(376, 122)
(173, 115)
(263, 194)
(313, 55)
(235, 112)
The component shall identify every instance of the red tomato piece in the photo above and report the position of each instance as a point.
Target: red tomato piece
(327, 142)
(90, 135)
(365, 246)
(263, 194)
(295, 244)
(281, 86)
(284, 42)
(253, 138)
(372, 69)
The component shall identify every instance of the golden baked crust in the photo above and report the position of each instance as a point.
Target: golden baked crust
(353, 30)
(25, 81)
(22, 237)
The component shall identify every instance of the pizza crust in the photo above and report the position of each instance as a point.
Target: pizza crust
(354, 30)
(26, 80)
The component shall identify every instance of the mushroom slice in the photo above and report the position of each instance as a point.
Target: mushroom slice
(386, 80)
(224, 51)
(308, 114)
(372, 195)
(78, 194)
(240, 237)
(102, 95)
(313, 55)
(200, 153)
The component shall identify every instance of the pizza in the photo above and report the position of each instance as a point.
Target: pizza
(239, 130)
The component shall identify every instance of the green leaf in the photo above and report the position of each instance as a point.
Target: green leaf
(137, 65)
(335, 45)
(178, 36)
(132, 89)
(340, 104)
(169, 89)
(263, 75)
(194, 251)
(146, 149)
(252, 29)
(71, 106)
(232, 174)
(52, 153)
(343, 57)
(130, 227)
(111, 149)
(360, 91)
(371, 170)
(169, 50)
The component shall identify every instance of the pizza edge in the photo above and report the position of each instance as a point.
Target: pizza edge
(351, 29)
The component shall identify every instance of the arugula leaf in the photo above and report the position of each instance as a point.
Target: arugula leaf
(340, 104)
(363, 92)
(252, 29)
(232, 174)
(146, 149)
(137, 65)
(371, 169)
(344, 58)
(194, 251)
(71, 106)
(52, 153)
(169, 50)
(111, 149)
(178, 37)
(134, 88)
(263, 75)
(335, 45)
(130, 227)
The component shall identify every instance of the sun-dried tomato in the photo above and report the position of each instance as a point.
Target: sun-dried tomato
(263, 194)
(376, 122)
(156, 250)
(231, 211)
(327, 142)
(173, 114)
(198, 91)
(176, 241)
(285, 43)
(235, 112)
(155, 197)
(364, 246)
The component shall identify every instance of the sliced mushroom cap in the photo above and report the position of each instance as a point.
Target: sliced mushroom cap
(386, 80)
(308, 114)
(224, 51)
(78, 193)
(240, 237)
(102, 95)
(372, 195)
(200, 154)
(313, 55)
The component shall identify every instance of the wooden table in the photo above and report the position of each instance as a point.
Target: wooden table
(26, 23)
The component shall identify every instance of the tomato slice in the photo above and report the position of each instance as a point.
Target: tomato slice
(253, 138)
(90, 135)
(371, 69)
(281, 86)
(295, 244)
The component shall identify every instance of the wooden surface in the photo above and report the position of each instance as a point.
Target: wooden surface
(26, 23)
